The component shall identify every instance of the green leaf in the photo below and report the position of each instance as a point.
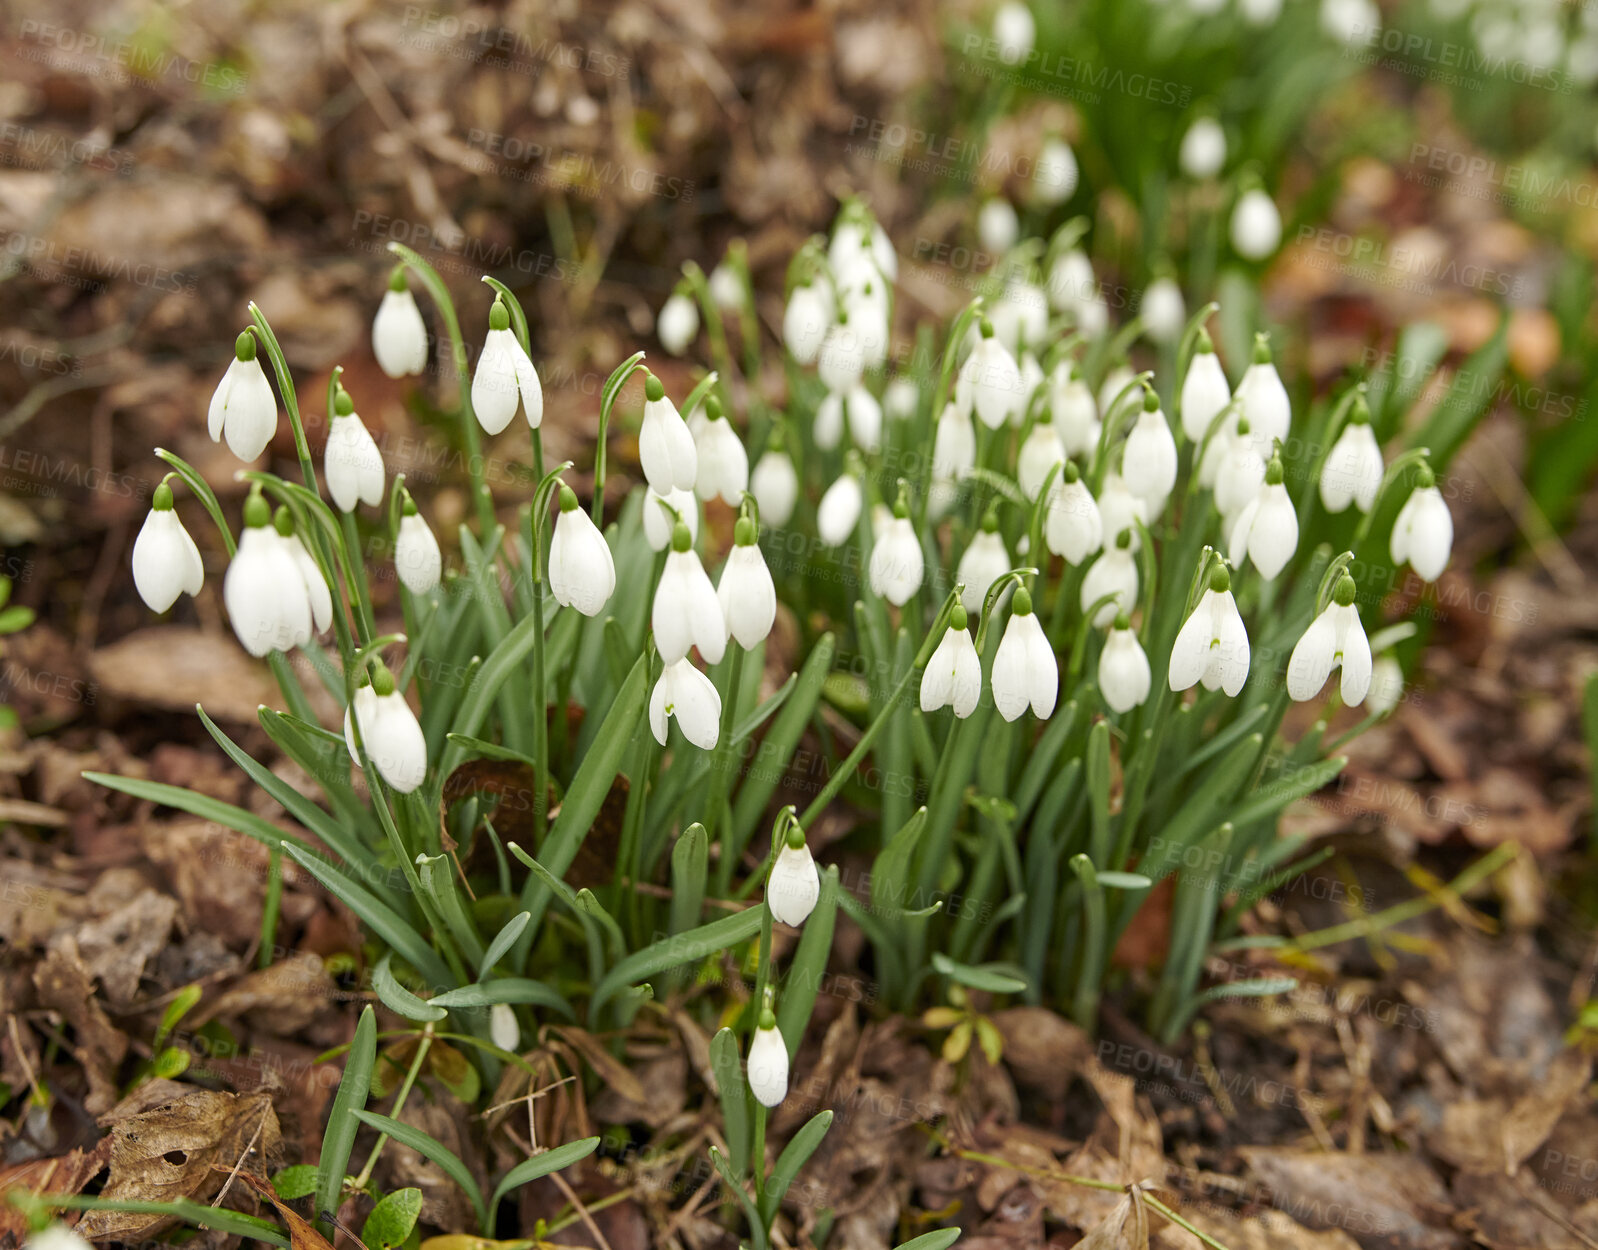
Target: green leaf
(890, 871)
(808, 969)
(733, 1090)
(347, 1108)
(504, 940)
(397, 998)
(234, 1223)
(940, 1239)
(682, 948)
(794, 1156)
(1270, 799)
(757, 1227)
(1124, 880)
(769, 762)
(392, 1219)
(439, 882)
(541, 1165)
(296, 1182)
(16, 618)
(433, 1150)
(203, 806)
(1474, 388)
(690, 860)
(995, 978)
(488, 750)
(513, 990)
(179, 1007)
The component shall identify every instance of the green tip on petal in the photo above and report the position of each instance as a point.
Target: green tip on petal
(1204, 346)
(161, 499)
(1220, 579)
(1425, 479)
(382, 679)
(283, 521)
(796, 838)
(654, 392)
(959, 618)
(257, 512)
(1273, 472)
(568, 498)
(1070, 472)
(396, 279)
(743, 533)
(408, 507)
(499, 315)
(1345, 591)
(768, 1019)
(1242, 425)
(1123, 540)
(986, 328)
(1151, 401)
(990, 520)
(1262, 348)
(713, 408)
(1021, 602)
(1122, 620)
(1360, 413)
(343, 405)
(244, 346)
(681, 539)
(901, 503)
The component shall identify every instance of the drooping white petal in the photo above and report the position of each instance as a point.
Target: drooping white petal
(1190, 653)
(896, 562)
(417, 558)
(1163, 310)
(1204, 393)
(1229, 654)
(1072, 526)
(1424, 533)
(997, 224)
(1256, 225)
(793, 887)
(992, 380)
(659, 523)
(1353, 469)
(805, 321)
(775, 486)
(865, 418)
(503, 1030)
(677, 324)
(686, 611)
(666, 449)
(166, 563)
(1267, 531)
(243, 409)
(399, 335)
(1313, 658)
(1055, 173)
(768, 1067)
(317, 593)
(686, 694)
(394, 742)
(983, 563)
(1148, 462)
(1075, 412)
(747, 596)
(353, 464)
(839, 511)
(1354, 651)
(582, 572)
(1124, 677)
(1263, 400)
(1039, 453)
(723, 464)
(1203, 150)
(265, 595)
(954, 446)
(1024, 670)
(1114, 572)
(953, 676)
(496, 388)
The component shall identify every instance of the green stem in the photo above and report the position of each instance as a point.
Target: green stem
(721, 762)
(271, 907)
(399, 1102)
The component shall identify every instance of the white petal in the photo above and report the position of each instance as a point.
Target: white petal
(748, 597)
(658, 522)
(768, 1067)
(249, 409)
(1124, 676)
(1312, 658)
(494, 385)
(1204, 393)
(666, 448)
(1229, 658)
(775, 486)
(1011, 673)
(1431, 535)
(417, 558)
(937, 679)
(1043, 673)
(394, 743)
(839, 511)
(1273, 535)
(865, 418)
(399, 336)
(316, 589)
(1356, 661)
(794, 886)
(1190, 654)
(527, 383)
(582, 573)
(160, 560)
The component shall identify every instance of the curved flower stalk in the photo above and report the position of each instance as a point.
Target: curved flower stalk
(166, 563)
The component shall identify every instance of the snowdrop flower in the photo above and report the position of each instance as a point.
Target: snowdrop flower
(56, 1237)
(1353, 469)
(1071, 281)
(677, 324)
(417, 558)
(1040, 452)
(953, 676)
(263, 590)
(685, 694)
(1164, 312)
(1334, 639)
(1256, 225)
(317, 593)
(984, 562)
(1260, 12)
(1123, 668)
(1113, 573)
(686, 612)
(1266, 530)
(1203, 150)
(1072, 526)
(723, 467)
(861, 409)
(1024, 670)
(1093, 316)
(1021, 315)
(1075, 411)
(505, 375)
(389, 732)
(775, 483)
(399, 336)
(1148, 461)
(805, 321)
(1262, 398)
(726, 288)
(997, 225)
(990, 381)
(503, 1030)
(351, 460)
(900, 399)
(839, 510)
(1240, 473)
(747, 596)
(242, 406)
(768, 1062)
(1055, 174)
(857, 241)
(1212, 646)
(659, 518)
(166, 563)
(582, 574)
(666, 449)
(867, 310)
(1115, 388)
(1350, 21)
(1204, 390)
(1386, 686)
(896, 562)
(954, 445)
(842, 362)
(1423, 534)
(1121, 510)
(794, 884)
(1014, 31)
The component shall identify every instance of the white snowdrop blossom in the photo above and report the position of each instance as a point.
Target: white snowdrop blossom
(1353, 470)
(1116, 390)
(723, 464)
(1266, 530)
(1124, 677)
(746, 592)
(775, 484)
(1114, 573)
(1071, 282)
(954, 445)
(1164, 312)
(1212, 646)
(1239, 472)
(351, 460)
(1014, 31)
(1205, 392)
(1021, 315)
(389, 731)
(417, 559)
(1256, 225)
(659, 521)
(998, 227)
(1423, 534)
(1072, 527)
(686, 611)
(768, 1063)
(794, 884)
(666, 451)
(505, 377)
(805, 321)
(839, 510)
(1074, 409)
(1335, 639)
(1121, 510)
(678, 323)
(582, 573)
(726, 287)
(503, 1030)
(1024, 670)
(900, 399)
(953, 676)
(1148, 461)
(984, 562)
(896, 562)
(242, 406)
(1203, 151)
(1055, 174)
(989, 381)
(842, 362)
(166, 563)
(687, 696)
(1040, 451)
(1387, 685)
(399, 335)
(1262, 398)
(263, 590)
(1352, 22)
(864, 415)
(56, 1237)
